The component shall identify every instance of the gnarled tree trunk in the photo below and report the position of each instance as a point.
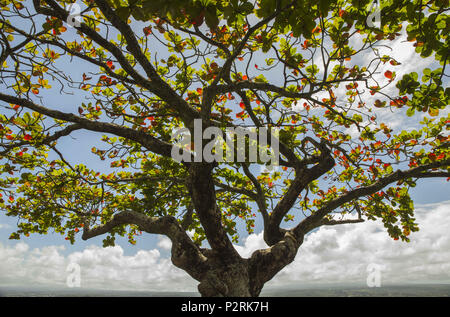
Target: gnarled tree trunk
(238, 277)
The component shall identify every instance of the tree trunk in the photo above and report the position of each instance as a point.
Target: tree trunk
(226, 279)
(238, 277)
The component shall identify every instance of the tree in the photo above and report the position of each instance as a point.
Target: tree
(147, 67)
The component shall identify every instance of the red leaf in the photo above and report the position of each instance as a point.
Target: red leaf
(27, 137)
(147, 30)
(240, 114)
(110, 64)
(305, 44)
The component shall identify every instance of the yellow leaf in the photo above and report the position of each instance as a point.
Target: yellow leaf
(433, 112)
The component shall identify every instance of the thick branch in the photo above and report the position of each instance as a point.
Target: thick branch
(423, 171)
(201, 189)
(47, 140)
(185, 254)
(266, 263)
(332, 222)
(151, 143)
(155, 85)
(260, 197)
(267, 87)
(303, 177)
(161, 88)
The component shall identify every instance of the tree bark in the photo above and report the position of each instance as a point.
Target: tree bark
(246, 277)
(226, 279)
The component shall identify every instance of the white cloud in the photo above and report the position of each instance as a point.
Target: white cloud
(164, 243)
(101, 268)
(341, 254)
(252, 243)
(146, 270)
(404, 53)
(338, 254)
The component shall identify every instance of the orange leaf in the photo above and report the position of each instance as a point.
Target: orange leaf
(147, 30)
(110, 64)
(240, 114)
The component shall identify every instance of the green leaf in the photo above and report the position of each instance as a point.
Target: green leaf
(211, 19)
(410, 112)
(123, 13)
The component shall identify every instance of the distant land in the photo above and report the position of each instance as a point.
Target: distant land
(85, 292)
(412, 290)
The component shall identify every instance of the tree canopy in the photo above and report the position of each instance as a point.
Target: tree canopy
(132, 72)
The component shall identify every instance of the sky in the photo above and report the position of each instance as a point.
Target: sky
(329, 255)
(337, 255)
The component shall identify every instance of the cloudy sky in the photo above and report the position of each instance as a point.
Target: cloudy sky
(330, 255)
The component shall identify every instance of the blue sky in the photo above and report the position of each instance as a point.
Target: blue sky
(42, 259)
